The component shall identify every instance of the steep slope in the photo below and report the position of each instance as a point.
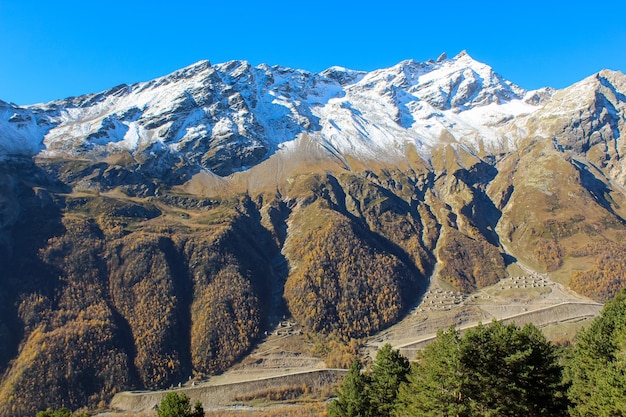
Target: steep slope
(563, 189)
(106, 293)
(21, 130)
(154, 231)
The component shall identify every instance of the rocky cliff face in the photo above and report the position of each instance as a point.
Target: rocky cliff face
(153, 231)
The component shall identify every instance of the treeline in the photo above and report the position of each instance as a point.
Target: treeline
(496, 370)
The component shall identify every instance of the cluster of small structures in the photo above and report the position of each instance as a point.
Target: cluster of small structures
(286, 328)
(192, 382)
(440, 300)
(531, 281)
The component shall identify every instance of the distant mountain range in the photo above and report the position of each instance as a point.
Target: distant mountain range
(154, 230)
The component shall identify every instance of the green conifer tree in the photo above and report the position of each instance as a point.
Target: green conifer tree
(495, 370)
(389, 370)
(435, 387)
(597, 369)
(351, 399)
(178, 405)
(511, 371)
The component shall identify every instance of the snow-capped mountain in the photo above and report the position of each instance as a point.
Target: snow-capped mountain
(230, 116)
(423, 104)
(220, 198)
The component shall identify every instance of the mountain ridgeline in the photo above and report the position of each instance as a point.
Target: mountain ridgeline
(154, 231)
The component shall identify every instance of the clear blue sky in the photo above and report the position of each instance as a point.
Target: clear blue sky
(56, 49)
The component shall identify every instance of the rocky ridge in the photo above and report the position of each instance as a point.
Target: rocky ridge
(228, 117)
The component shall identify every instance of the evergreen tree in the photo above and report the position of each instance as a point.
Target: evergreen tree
(496, 370)
(597, 369)
(511, 372)
(61, 412)
(351, 398)
(435, 386)
(389, 370)
(178, 405)
(198, 410)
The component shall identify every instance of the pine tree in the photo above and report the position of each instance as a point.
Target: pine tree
(435, 386)
(496, 370)
(178, 405)
(351, 398)
(597, 369)
(389, 370)
(198, 410)
(511, 371)
(61, 412)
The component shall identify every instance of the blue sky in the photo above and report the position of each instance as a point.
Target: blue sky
(56, 49)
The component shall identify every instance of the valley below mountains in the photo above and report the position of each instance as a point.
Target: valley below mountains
(159, 230)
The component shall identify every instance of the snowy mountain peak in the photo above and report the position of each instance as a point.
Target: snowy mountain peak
(459, 84)
(21, 130)
(227, 117)
(189, 71)
(343, 76)
(462, 54)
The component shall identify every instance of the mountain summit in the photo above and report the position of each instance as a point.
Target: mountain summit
(228, 117)
(157, 230)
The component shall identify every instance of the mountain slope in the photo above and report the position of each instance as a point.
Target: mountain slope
(154, 231)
